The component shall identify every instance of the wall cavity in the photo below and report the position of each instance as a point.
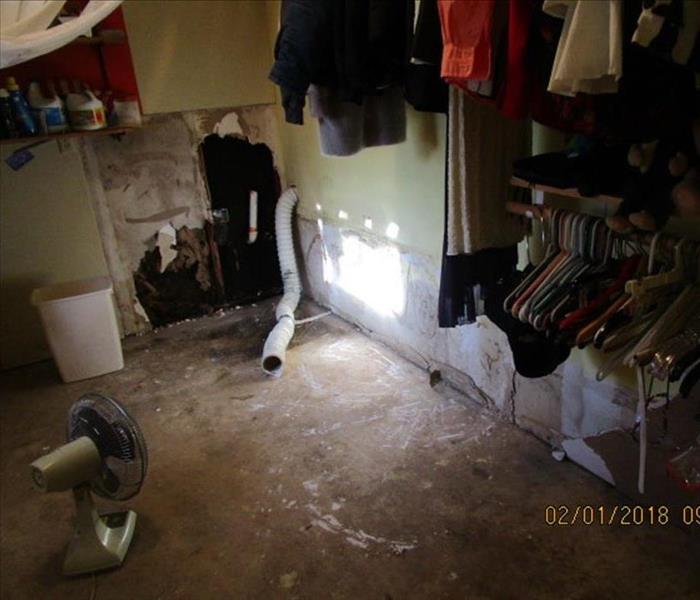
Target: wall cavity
(153, 179)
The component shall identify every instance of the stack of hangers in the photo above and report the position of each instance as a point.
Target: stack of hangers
(596, 287)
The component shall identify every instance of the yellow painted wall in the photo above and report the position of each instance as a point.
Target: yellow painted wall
(48, 234)
(403, 184)
(205, 54)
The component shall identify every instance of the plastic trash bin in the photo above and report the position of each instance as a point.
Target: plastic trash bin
(81, 327)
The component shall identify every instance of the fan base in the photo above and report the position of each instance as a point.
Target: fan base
(99, 541)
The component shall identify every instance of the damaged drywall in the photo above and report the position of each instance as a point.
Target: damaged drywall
(477, 359)
(173, 281)
(152, 181)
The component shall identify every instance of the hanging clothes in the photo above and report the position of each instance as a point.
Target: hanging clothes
(355, 47)
(480, 238)
(303, 53)
(513, 99)
(589, 55)
(345, 128)
(482, 146)
(425, 89)
(488, 89)
(655, 97)
(468, 45)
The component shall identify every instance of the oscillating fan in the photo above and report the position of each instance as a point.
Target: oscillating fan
(105, 454)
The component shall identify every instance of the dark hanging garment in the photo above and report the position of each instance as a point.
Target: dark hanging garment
(425, 89)
(466, 279)
(513, 99)
(466, 282)
(303, 52)
(535, 353)
(371, 41)
(354, 47)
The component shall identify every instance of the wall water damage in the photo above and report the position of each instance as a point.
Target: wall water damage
(150, 197)
(392, 293)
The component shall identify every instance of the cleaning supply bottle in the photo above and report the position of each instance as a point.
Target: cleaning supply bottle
(8, 128)
(85, 111)
(20, 109)
(48, 112)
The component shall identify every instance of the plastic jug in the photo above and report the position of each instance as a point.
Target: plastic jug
(48, 112)
(85, 111)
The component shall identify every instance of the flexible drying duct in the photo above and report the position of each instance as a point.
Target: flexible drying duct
(280, 336)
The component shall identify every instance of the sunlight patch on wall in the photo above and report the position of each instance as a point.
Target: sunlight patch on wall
(372, 274)
(392, 231)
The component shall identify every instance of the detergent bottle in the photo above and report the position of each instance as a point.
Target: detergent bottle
(48, 112)
(85, 111)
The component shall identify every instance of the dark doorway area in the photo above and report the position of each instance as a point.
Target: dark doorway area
(234, 168)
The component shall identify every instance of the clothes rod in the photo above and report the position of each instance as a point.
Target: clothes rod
(543, 211)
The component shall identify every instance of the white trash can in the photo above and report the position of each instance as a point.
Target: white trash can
(81, 327)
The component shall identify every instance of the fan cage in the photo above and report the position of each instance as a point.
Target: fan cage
(118, 439)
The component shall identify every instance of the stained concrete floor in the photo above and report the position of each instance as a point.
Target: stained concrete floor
(349, 477)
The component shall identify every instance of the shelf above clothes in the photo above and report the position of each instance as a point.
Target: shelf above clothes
(676, 226)
(567, 192)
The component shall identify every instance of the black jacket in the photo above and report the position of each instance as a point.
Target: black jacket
(355, 47)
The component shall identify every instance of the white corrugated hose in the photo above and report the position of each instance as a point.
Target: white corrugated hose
(280, 336)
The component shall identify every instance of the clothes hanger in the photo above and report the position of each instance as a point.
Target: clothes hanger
(536, 283)
(553, 277)
(639, 287)
(689, 379)
(673, 318)
(552, 252)
(677, 353)
(568, 279)
(636, 315)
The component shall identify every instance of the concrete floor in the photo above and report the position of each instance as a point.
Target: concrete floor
(349, 477)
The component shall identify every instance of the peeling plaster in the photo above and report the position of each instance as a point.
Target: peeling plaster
(154, 175)
(165, 241)
(229, 125)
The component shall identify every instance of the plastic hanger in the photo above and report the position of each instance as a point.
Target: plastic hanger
(639, 287)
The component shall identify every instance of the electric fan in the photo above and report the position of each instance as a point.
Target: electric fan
(105, 454)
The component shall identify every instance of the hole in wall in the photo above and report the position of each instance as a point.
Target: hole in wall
(247, 249)
(233, 258)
